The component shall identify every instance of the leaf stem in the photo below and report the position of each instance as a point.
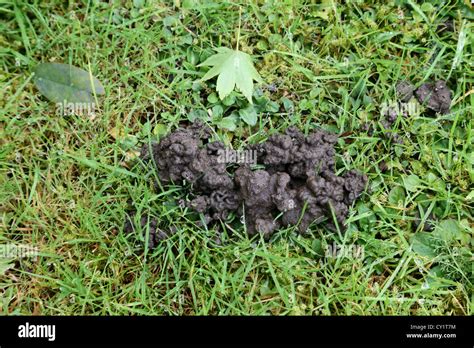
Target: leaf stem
(238, 30)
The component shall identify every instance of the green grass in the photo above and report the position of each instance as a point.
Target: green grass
(65, 182)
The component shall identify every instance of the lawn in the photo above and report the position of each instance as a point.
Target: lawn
(67, 181)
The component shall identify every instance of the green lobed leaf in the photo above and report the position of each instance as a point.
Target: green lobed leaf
(234, 70)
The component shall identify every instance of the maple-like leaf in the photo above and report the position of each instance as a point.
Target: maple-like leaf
(235, 68)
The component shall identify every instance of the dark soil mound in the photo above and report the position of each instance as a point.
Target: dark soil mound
(298, 185)
(436, 96)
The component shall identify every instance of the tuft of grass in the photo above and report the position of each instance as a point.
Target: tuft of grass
(66, 183)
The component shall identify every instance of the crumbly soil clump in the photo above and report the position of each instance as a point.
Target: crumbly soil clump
(434, 96)
(295, 184)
